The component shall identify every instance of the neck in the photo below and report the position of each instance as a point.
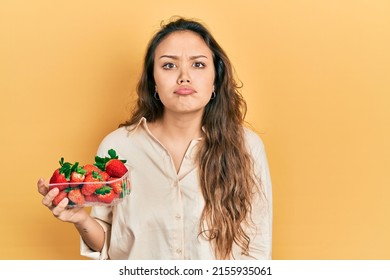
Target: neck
(185, 126)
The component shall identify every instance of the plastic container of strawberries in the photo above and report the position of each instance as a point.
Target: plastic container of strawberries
(99, 193)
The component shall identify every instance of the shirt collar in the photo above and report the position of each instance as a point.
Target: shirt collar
(144, 124)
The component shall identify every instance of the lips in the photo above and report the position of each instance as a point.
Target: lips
(184, 91)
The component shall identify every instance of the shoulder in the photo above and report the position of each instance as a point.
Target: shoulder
(119, 140)
(123, 132)
(253, 139)
(116, 134)
(124, 138)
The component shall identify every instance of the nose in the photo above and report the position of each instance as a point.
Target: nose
(183, 81)
(183, 77)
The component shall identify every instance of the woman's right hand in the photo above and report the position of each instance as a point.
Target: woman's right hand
(72, 215)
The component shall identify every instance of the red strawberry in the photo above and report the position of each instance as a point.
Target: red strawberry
(116, 168)
(76, 196)
(116, 184)
(61, 175)
(58, 178)
(60, 196)
(104, 176)
(106, 194)
(91, 198)
(76, 177)
(77, 174)
(91, 178)
(89, 168)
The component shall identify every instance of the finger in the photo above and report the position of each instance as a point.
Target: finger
(42, 187)
(60, 207)
(48, 198)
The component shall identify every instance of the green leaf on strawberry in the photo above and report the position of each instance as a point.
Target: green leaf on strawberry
(66, 168)
(77, 168)
(104, 190)
(112, 154)
(105, 194)
(101, 162)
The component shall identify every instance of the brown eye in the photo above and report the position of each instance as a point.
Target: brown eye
(199, 65)
(169, 66)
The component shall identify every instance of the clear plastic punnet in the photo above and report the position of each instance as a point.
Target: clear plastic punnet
(98, 193)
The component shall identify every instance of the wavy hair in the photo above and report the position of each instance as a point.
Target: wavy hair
(225, 166)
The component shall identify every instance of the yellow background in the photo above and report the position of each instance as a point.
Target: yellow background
(316, 76)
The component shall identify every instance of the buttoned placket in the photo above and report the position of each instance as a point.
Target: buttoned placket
(177, 242)
(185, 168)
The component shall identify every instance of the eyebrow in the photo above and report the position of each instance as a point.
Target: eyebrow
(177, 57)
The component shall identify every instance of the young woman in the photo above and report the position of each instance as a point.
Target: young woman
(201, 187)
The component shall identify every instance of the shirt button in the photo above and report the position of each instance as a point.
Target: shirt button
(178, 251)
(178, 217)
(176, 184)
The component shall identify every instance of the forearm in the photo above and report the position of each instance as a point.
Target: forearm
(92, 233)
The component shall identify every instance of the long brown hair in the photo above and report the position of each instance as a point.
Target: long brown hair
(225, 166)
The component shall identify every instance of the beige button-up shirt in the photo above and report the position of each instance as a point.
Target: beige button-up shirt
(160, 218)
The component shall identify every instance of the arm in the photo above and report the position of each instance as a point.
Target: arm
(267, 203)
(262, 211)
(91, 232)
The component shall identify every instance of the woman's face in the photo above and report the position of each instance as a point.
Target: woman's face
(184, 72)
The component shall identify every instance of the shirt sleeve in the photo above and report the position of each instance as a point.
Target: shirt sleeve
(262, 213)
